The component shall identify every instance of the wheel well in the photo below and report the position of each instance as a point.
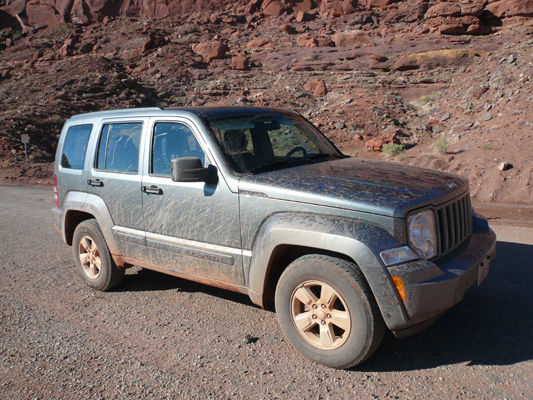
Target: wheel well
(72, 220)
(282, 257)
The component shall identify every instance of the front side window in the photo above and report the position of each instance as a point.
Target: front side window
(75, 146)
(172, 140)
(118, 149)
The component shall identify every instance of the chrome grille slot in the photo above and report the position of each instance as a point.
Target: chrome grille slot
(454, 224)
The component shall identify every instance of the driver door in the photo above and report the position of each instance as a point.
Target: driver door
(191, 227)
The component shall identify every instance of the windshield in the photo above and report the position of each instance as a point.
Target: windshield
(256, 141)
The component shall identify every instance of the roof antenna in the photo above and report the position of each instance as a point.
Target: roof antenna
(114, 101)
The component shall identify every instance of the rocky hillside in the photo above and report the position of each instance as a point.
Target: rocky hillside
(445, 85)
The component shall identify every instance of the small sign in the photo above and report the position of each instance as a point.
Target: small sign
(25, 138)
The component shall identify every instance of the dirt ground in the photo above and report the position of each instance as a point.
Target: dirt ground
(159, 337)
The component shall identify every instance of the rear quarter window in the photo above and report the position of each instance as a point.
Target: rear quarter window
(75, 146)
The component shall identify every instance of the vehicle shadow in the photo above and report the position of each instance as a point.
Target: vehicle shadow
(145, 280)
(493, 324)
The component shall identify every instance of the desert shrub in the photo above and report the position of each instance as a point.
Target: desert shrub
(441, 146)
(392, 149)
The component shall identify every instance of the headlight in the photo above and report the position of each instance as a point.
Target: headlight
(422, 235)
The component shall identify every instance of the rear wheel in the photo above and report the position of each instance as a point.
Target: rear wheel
(328, 312)
(93, 259)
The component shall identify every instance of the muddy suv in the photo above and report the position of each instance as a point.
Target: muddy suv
(258, 201)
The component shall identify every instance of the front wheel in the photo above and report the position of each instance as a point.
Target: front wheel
(327, 311)
(93, 259)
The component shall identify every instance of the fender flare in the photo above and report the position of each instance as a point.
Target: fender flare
(359, 240)
(94, 205)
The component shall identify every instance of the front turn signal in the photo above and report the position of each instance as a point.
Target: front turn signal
(399, 287)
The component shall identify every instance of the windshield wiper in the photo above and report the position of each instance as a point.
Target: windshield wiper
(324, 155)
(279, 163)
(321, 155)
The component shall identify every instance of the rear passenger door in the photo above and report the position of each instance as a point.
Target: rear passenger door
(191, 227)
(115, 177)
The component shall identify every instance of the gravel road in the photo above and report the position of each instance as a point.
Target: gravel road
(159, 337)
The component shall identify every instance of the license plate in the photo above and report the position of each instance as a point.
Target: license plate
(483, 270)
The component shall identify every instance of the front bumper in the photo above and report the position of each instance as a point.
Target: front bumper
(433, 287)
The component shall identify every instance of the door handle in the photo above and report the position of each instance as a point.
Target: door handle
(151, 189)
(95, 182)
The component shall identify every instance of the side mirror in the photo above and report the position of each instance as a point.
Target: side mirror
(190, 169)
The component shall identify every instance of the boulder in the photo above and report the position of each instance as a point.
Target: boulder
(253, 6)
(320, 88)
(454, 10)
(306, 40)
(304, 5)
(377, 3)
(67, 47)
(444, 10)
(348, 39)
(374, 144)
(273, 8)
(475, 9)
(147, 44)
(239, 62)
(9, 21)
(455, 25)
(261, 43)
(336, 8)
(408, 14)
(210, 50)
(456, 18)
(41, 15)
(17, 7)
(80, 13)
(302, 16)
(511, 8)
(311, 85)
(393, 136)
(86, 47)
(378, 57)
(310, 40)
(287, 29)
(349, 6)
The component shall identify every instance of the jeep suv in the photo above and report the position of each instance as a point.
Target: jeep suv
(258, 201)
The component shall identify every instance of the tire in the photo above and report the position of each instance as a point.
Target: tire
(93, 259)
(327, 311)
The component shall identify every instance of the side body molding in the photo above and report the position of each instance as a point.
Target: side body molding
(359, 240)
(94, 205)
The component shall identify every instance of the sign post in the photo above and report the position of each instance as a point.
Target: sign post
(25, 138)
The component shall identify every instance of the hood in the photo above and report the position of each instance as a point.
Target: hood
(377, 187)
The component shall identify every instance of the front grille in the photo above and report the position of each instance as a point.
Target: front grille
(454, 224)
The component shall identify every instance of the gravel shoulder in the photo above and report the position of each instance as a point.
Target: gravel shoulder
(160, 337)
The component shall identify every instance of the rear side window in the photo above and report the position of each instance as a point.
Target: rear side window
(75, 146)
(118, 149)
